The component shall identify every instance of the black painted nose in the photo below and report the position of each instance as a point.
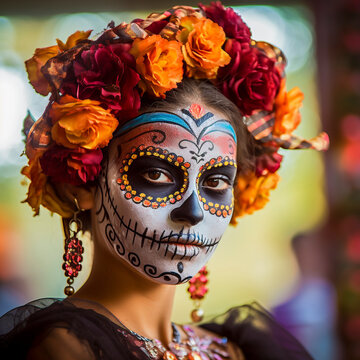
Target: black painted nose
(189, 212)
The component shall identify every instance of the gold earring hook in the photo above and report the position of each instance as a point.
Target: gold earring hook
(77, 205)
(75, 224)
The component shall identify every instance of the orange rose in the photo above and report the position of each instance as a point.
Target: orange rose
(73, 40)
(34, 65)
(42, 55)
(287, 105)
(202, 49)
(81, 123)
(252, 193)
(159, 63)
(41, 191)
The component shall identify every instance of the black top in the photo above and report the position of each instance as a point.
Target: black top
(83, 330)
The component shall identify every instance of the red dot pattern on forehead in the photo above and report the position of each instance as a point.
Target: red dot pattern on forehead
(219, 210)
(142, 198)
(196, 110)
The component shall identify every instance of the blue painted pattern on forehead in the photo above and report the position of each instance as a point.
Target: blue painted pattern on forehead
(222, 126)
(153, 117)
(164, 117)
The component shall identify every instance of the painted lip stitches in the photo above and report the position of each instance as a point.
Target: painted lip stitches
(182, 245)
(181, 250)
(172, 240)
(185, 244)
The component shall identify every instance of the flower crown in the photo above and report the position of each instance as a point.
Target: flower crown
(97, 85)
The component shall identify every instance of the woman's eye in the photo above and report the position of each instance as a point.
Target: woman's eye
(158, 176)
(217, 183)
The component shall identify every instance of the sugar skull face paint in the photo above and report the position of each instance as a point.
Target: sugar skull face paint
(165, 193)
(146, 189)
(217, 203)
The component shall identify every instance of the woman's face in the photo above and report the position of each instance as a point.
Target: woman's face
(165, 195)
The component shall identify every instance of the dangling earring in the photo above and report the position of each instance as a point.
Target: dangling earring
(73, 250)
(197, 289)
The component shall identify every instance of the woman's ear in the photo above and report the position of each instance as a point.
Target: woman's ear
(83, 195)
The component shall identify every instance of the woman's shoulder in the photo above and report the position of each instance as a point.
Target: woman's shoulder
(62, 330)
(257, 334)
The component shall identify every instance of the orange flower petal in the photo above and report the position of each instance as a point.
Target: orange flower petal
(73, 39)
(81, 123)
(41, 192)
(34, 65)
(42, 55)
(202, 50)
(252, 193)
(159, 62)
(287, 105)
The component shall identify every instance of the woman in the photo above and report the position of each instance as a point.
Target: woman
(155, 136)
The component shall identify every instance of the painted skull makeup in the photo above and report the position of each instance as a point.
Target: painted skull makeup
(165, 195)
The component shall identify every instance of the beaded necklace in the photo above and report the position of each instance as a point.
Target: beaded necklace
(192, 348)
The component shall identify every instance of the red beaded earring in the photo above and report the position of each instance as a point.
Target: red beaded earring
(198, 289)
(73, 250)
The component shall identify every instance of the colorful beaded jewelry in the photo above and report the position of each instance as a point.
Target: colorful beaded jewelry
(73, 252)
(197, 289)
(193, 348)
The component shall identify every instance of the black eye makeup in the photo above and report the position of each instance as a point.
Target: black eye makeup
(215, 183)
(158, 176)
(153, 177)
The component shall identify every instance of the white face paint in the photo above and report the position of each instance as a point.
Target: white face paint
(165, 194)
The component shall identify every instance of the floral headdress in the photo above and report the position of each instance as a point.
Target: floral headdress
(97, 85)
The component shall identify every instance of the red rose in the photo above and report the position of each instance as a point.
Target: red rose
(106, 73)
(266, 163)
(73, 166)
(157, 26)
(229, 20)
(243, 60)
(251, 80)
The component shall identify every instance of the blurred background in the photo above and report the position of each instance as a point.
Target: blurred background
(300, 256)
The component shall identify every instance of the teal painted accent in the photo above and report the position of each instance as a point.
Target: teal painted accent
(155, 117)
(163, 117)
(223, 126)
